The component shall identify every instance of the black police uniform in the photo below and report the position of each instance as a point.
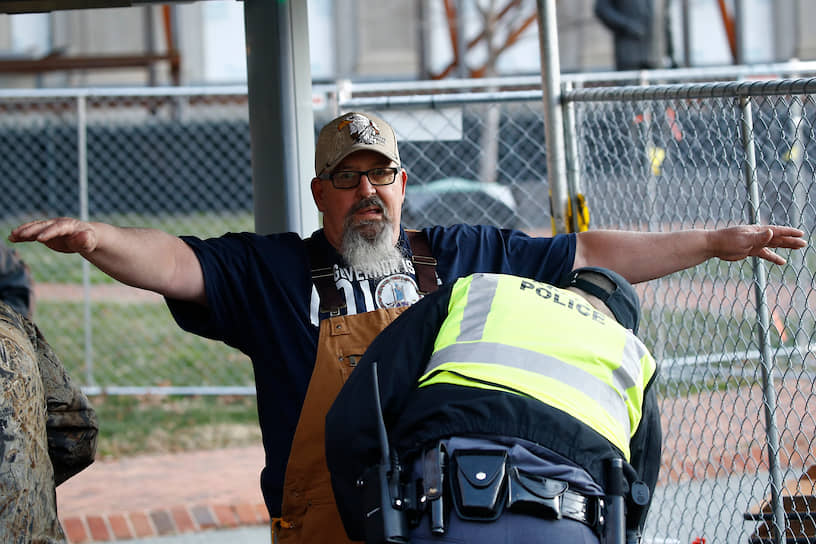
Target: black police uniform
(418, 418)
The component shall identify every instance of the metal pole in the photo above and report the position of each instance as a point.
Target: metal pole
(763, 327)
(658, 43)
(149, 42)
(82, 168)
(571, 150)
(799, 200)
(553, 121)
(686, 22)
(651, 152)
(280, 112)
(422, 37)
(461, 43)
(739, 31)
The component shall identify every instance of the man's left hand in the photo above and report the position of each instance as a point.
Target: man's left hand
(735, 243)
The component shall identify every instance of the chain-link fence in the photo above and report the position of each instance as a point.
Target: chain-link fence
(178, 161)
(734, 340)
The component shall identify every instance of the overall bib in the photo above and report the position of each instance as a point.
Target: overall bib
(309, 514)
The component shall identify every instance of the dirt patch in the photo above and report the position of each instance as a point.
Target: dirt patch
(722, 297)
(723, 432)
(63, 292)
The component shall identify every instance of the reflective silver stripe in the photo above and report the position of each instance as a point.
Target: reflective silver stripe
(628, 374)
(481, 292)
(545, 365)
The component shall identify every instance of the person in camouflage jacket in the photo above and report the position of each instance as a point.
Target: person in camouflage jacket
(48, 430)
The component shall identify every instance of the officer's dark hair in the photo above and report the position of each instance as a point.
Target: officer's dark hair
(610, 288)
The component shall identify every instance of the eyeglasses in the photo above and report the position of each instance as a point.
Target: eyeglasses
(349, 179)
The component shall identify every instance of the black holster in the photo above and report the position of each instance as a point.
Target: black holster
(434, 468)
(535, 495)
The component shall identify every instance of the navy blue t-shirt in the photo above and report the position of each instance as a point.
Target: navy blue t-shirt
(261, 301)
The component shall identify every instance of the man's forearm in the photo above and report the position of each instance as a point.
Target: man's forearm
(642, 256)
(147, 258)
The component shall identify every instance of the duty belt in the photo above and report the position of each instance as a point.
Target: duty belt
(484, 483)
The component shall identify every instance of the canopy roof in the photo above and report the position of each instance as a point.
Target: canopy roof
(34, 6)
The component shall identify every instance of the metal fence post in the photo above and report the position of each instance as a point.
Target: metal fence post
(763, 327)
(571, 151)
(553, 120)
(82, 169)
(799, 199)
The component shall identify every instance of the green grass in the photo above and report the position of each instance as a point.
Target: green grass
(52, 267)
(139, 345)
(167, 424)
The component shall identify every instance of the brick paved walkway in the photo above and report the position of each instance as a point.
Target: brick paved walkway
(157, 495)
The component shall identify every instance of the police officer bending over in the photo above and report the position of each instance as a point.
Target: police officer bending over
(504, 402)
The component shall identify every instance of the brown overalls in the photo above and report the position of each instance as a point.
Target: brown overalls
(308, 501)
(309, 514)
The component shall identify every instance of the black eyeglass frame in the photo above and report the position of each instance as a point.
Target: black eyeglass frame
(360, 173)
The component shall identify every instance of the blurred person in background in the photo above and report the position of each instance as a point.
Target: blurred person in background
(632, 25)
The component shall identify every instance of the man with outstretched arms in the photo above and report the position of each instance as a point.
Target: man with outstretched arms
(304, 310)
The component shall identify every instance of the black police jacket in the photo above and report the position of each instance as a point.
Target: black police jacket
(418, 417)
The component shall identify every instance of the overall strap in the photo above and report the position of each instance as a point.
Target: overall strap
(323, 278)
(424, 261)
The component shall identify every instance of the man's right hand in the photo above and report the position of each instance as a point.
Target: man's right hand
(63, 234)
(145, 258)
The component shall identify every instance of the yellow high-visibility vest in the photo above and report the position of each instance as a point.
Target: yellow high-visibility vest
(513, 334)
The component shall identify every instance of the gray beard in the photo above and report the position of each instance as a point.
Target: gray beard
(366, 251)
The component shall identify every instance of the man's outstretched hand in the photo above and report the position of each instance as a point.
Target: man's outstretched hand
(63, 234)
(735, 243)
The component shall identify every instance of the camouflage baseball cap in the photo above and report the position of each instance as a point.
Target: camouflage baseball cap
(352, 132)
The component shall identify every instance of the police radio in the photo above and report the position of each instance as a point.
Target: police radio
(385, 506)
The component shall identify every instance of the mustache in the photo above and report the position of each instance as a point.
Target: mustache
(368, 202)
